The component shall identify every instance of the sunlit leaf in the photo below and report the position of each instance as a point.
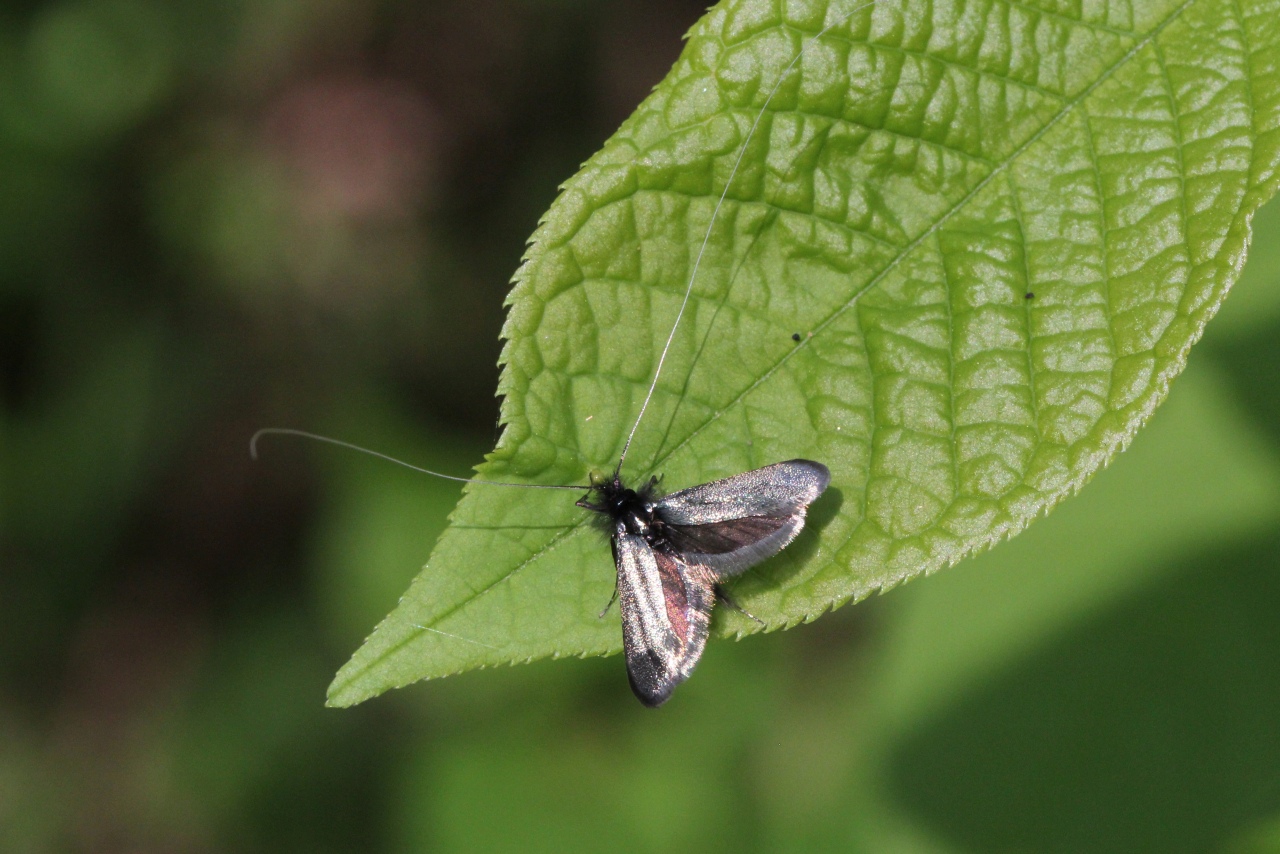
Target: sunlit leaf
(997, 227)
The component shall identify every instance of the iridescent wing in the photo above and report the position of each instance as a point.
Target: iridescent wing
(666, 611)
(730, 525)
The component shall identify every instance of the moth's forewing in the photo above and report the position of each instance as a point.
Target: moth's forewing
(732, 524)
(666, 611)
(776, 490)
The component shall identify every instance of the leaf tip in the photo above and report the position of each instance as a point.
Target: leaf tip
(348, 690)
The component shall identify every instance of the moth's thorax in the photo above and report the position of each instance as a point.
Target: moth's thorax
(634, 508)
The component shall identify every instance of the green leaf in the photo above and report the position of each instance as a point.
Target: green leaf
(920, 170)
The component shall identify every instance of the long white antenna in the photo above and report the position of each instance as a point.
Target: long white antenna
(715, 214)
(666, 349)
(286, 431)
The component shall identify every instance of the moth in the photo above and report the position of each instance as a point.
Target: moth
(671, 554)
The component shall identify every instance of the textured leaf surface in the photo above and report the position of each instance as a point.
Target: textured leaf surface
(920, 171)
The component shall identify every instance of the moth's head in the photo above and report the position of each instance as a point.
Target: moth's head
(603, 491)
(599, 484)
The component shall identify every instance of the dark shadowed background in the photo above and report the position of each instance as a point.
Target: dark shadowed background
(220, 216)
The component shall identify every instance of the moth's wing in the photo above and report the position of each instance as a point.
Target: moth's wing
(775, 490)
(732, 524)
(666, 610)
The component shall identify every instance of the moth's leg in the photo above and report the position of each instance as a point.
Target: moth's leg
(724, 597)
(612, 599)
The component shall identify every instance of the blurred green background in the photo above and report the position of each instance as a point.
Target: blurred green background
(216, 217)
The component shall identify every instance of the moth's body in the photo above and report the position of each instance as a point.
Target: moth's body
(672, 552)
(633, 508)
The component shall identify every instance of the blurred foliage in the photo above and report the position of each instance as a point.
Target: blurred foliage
(217, 217)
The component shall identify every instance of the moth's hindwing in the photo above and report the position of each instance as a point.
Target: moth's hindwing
(730, 525)
(666, 612)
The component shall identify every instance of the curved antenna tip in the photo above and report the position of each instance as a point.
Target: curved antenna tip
(253, 444)
(289, 431)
